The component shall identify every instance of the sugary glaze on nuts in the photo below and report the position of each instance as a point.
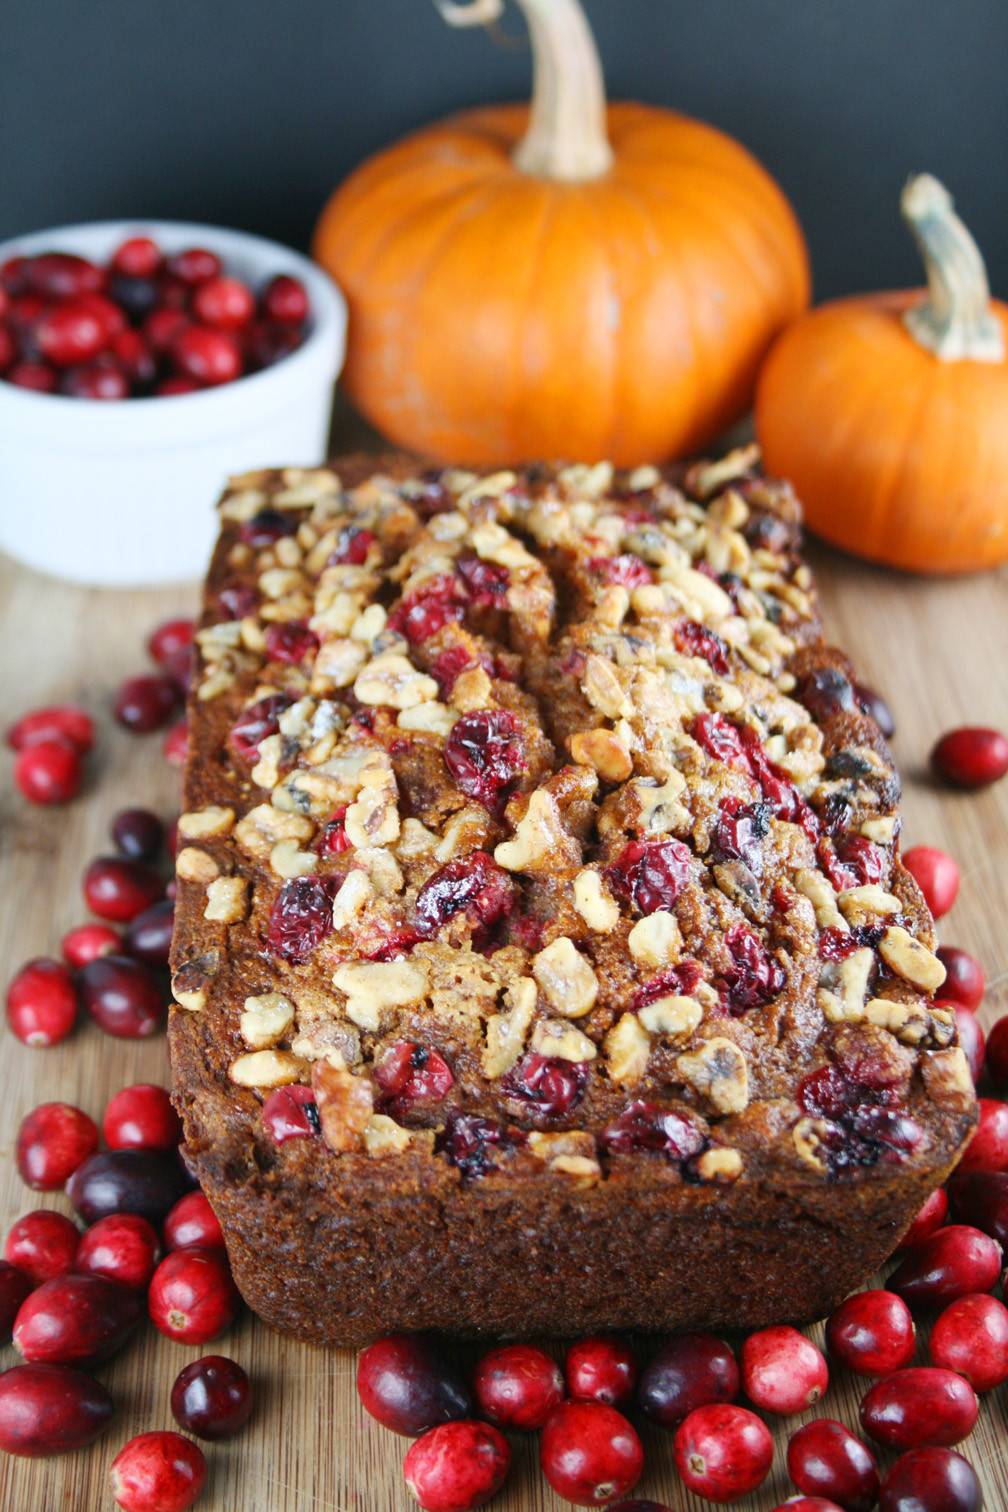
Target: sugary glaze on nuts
(531, 827)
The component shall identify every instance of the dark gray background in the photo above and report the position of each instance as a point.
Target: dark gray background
(248, 112)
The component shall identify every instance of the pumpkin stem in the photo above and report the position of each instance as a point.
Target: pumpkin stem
(956, 320)
(566, 136)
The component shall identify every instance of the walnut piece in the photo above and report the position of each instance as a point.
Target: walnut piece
(540, 842)
(717, 1069)
(372, 987)
(566, 977)
(911, 960)
(345, 1104)
(201, 823)
(265, 1020)
(266, 1068)
(227, 900)
(627, 1047)
(656, 939)
(194, 865)
(594, 903)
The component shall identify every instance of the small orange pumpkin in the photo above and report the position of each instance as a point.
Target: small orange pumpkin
(889, 412)
(567, 281)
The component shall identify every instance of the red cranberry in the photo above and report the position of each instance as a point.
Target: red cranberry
(409, 1073)
(644, 1126)
(919, 1406)
(650, 874)
(138, 833)
(549, 1087)
(931, 1480)
(809, 1504)
(964, 980)
(36, 376)
(122, 1247)
(223, 302)
(52, 1142)
(15, 1286)
(106, 311)
(42, 1003)
(970, 757)
(290, 642)
(134, 358)
(457, 1466)
(284, 299)
(971, 1036)
(589, 1453)
(601, 1369)
(49, 771)
(825, 1459)
(988, 1149)
(8, 350)
(931, 1217)
(157, 1472)
(971, 1338)
(148, 937)
(409, 1384)
(872, 703)
(949, 1263)
(753, 976)
(291, 1113)
(48, 1409)
(782, 1370)
(168, 638)
(162, 326)
(265, 342)
(139, 256)
(936, 874)
(997, 1052)
(255, 723)
(122, 996)
(176, 385)
(474, 885)
(87, 943)
(692, 1370)
(176, 743)
(484, 756)
(192, 1222)
(141, 1117)
(62, 275)
(101, 379)
(76, 1320)
(118, 888)
(192, 1297)
(872, 1333)
(127, 1181)
(439, 601)
(302, 916)
(980, 1198)
(517, 1387)
(207, 355)
(194, 266)
(723, 1452)
(212, 1398)
(42, 1245)
(68, 334)
(146, 702)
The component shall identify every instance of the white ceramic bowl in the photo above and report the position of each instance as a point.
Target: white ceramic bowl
(121, 493)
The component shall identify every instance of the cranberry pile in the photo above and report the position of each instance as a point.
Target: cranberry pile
(147, 324)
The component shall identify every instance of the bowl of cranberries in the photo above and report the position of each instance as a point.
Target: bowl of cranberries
(141, 366)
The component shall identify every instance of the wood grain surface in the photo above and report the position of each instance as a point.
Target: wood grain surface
(937, 650)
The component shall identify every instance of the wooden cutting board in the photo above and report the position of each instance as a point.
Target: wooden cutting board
(938, 652)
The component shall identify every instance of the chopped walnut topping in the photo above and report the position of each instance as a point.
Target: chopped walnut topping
(266, 1068)
(594, 902)
(604, 751)
(227, 900)
(540, 842)
(203, 823)
(656, 940)
(719, 1164)
(383, 1136)
(911, 960)
(338, 663)
(194, 865)
(369, 625)
(947, 1076)
(807, 1135)
(671, 1015)
(266, 1020)
(288, 860)
(264, 827)
(660, 810)
(881, 830)
(266, 772)
(428, 719)
(345, 1103)
(190, 982)
(374, 987)
(866, 905)
(392, 681)
(603, 689)
(354, 895)
(373, 818)
(627, 1047)
(569, 1153)
(717, 1069)
(557, 1038)
(471, 690)
(506, 1032)
(216, 682)
(566, 977)
(820, 893)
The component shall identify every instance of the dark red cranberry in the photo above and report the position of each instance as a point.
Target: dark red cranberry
(677, 981)
(352, 547)
(76, 1320)
(486, 582)
(456, 1466)
(872, 703)
(265, 342)
(14, 1288)
(484, 755)
(644, 1126)
(996, 1052)
(49, 771)
(36, 376)
(719, 739)
(157, 1472)
(825, 692)
(51, 1143)
(192, 1297)
(782, 1370)
(863, 1122)
(694, 639)
(161, 327)
(864, 859)
(224, 302)
(931, 1216)
(138, 296)
(650, 874)
(176, 744)
(602, 1368)
(627, 570)
(14, 275)
(194, 265)
(192, 1221)
(517, 1387)
(409, 1383)
(291, 1113)
(825, 1459)
(69, 333)
(101, 379)
(332, 839)
(141, 1117)
(692, 1370)
(590, 1453)
(970, 757)
(146, 702)
(971, 1036)
(168, 638)
(754, 977)
(284, 299)
(42, 1003)
(548, 1086)
(919, 1406)
(208, 356)
(48, 1409)
(739, 833)
(134, 359)
(971, 1338)
(8, 350)
(408, 1073)
(302, 916)
(988, 1149)
(122, 996)
(212, 1398)
(468, 1140)
(266, 528)
(122, 1247)
(255, 723)
(147, 1182)
(474, 885)
(949, 1263)
(964, 980)
(42, 1245)
(62, 275)
(58, 722)
(139, 257)
(871, 1333)
(138, 833)
(931, 1480)
(176, 385)
(148, 937)
(723, 1452)
(290, 642)
(437, 602)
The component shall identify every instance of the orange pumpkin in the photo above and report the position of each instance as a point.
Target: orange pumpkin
(889, 412)
(567, 281)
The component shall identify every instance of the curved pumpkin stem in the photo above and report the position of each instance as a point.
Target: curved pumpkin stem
(566, 136)
(956, 320)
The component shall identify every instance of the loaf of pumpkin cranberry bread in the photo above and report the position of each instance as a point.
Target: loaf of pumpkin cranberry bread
(544, 961)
